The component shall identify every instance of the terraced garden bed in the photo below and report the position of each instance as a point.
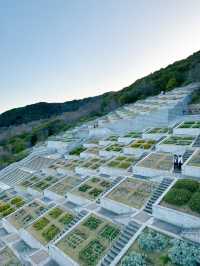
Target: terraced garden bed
(142, 144)
(66, 184)
(122, 162)
(178, 140)
(10, 202)
(44, 183)
(158, 130)
(27, 214)
(184, 196)
(8, 258)
(88, 242)
(114, 148)
(93, 188)
(93, 163)
(68, 165)
(190, 124)
(153, 248)
(132, 192)
(158, 161)
(133, 134)
(51, 224)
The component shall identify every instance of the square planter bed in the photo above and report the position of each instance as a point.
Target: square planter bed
(110, 140)
(50, 225)
(89, 191)
(129, 137)
(139, 146)
(26, 215)
(87, 243)
(156, 133)
(130, 195)
(179, 205)
(10, 202)
(90, 153)
(155, 164)
(175, 144)
(191, 128)
(154, 248)
(112, 150)
(59, 190)
(7, 257)
(90, 166)
(119, 166)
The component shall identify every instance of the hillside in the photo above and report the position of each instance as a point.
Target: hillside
(176, 74)
(22, 128)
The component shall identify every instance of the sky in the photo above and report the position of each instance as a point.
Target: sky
(59, 50)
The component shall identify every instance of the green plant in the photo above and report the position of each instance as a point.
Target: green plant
(66, 219)
(134, 259)
(91, 253)
(188, 184)
(183, 253)
(194, 202)
(41, 223)
(109, 232)
(84, 188)
(92, 223)
(177, 197)
(56, 212)
(152, 241)
(50, 232)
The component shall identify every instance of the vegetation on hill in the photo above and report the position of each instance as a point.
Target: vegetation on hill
(51, 118)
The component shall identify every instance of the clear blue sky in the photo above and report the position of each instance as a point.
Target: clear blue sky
(57, 50)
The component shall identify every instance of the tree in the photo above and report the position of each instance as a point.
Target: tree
(172, 83)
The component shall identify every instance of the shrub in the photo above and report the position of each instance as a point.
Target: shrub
(50, 232)
(92, 223)
(56, 212)
(84, 188)
(177, 196)
(134, 259)
(183, 253)
(152, 241)
(187, 184)
(194, 202)
(41, 223)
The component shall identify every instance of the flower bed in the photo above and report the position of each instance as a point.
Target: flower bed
(88, 242)
(9, 203)
(190, 124)
(139, 146)
(27, 214)
(153, 248)
(92, 188)
(132, 192)
(51, 224)
(133, 134)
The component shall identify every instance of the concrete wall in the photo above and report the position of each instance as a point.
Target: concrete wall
(60, 257)
(115, 206)
(144, 171)
(175, 217)
(53, 196)
(29, 239)
(113, 171)
(189, 170)
(186, 131)
(85, 171)
(77, 199)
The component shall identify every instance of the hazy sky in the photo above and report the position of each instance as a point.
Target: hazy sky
(57, 50)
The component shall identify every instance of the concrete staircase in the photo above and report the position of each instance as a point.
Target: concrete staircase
(128, 232)
(187, 154)
(197, 142)
(157, 193)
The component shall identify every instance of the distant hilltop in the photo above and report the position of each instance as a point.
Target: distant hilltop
(179, 73)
